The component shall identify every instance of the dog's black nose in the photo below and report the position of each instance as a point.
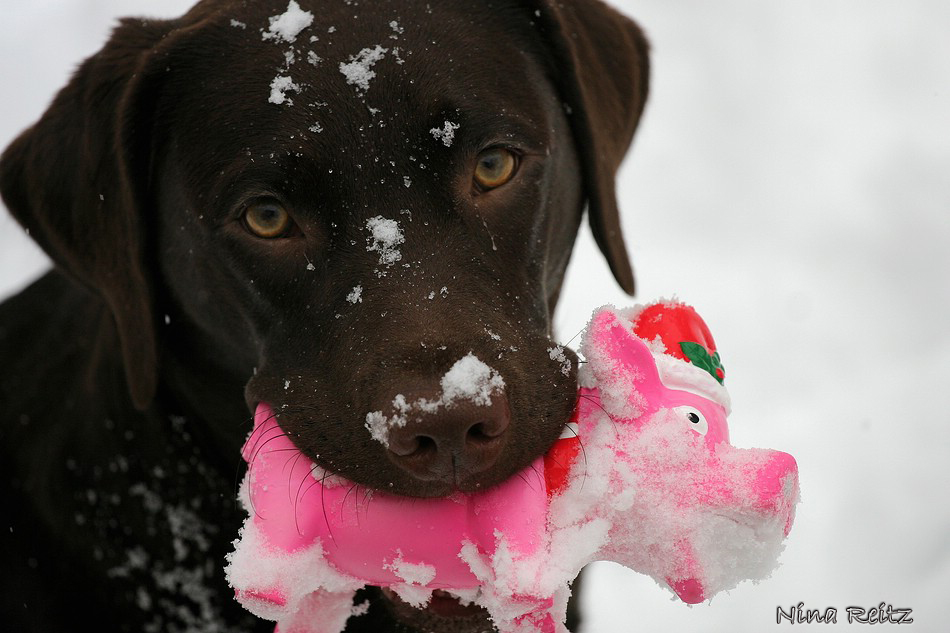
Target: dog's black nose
(453, 443)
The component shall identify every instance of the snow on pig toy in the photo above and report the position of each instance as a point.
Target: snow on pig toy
(643, 476)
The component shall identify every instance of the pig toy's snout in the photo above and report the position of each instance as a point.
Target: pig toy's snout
(776, 487)
(761, 497)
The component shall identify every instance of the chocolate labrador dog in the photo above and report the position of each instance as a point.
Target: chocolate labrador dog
(320, 206)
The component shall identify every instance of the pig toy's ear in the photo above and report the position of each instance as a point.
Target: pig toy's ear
(623, 366)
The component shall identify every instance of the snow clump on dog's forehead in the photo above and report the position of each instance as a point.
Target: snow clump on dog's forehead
(385, 236)
(358, 70)
(385, 231)
(288, 25)
(279, 88)
(285, 28)
(446, 133)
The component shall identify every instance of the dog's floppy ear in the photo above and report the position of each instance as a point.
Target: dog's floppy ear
(602, 72)
(75, 182)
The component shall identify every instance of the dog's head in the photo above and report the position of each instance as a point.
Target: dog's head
(364, 215)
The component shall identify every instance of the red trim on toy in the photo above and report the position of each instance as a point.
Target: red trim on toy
(559, 459)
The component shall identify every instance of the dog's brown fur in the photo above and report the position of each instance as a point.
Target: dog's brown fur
(129, 370)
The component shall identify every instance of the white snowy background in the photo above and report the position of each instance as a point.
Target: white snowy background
(791, 179)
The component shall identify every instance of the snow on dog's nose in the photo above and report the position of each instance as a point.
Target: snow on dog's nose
(450, 429)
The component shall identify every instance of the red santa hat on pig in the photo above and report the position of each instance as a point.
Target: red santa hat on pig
(684, 349)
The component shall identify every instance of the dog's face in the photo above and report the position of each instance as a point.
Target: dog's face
(342, 208)
(338, 214)
(355, 241)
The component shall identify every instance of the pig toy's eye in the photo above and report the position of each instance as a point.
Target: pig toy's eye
(694, 419)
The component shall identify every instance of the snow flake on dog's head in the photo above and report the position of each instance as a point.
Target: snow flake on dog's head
(446, 133)
(279, 88)
(288, 25)
(358, 71)
(385, 237)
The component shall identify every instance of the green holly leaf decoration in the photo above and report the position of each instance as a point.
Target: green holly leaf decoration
(698, 355)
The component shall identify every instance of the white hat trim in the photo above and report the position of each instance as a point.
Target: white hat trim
(684, 376)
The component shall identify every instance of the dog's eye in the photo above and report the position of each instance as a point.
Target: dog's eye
(494, 168)
(267, 219)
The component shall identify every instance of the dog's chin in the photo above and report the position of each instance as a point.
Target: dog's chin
(443, 613)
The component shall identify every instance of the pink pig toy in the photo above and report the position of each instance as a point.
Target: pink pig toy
(644, 475)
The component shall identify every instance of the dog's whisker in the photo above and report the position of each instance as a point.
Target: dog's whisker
(584, 455)
(568, 344)
(260, 432)
(257, 448)
(323, 505)
(594, 400)
(313, 482)
(261, 447)
(348, 492)
(537, 473)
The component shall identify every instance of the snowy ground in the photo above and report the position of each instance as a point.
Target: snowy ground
(791, 181)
